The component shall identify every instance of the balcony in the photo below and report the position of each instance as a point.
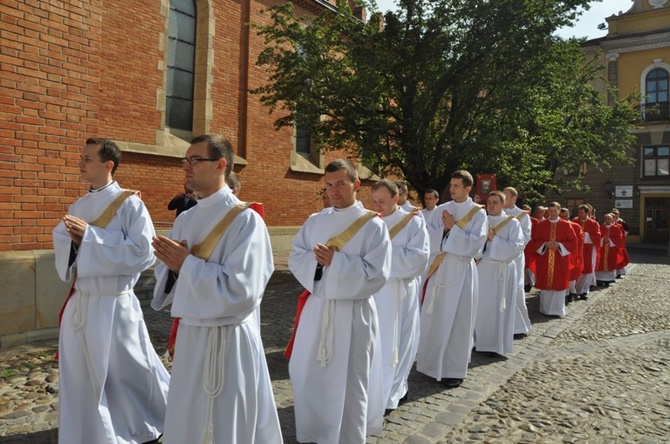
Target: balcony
(655, 112)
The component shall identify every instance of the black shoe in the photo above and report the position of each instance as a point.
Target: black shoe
(404, 399)
(527, 288)
(584, 297)
(520, 335)
(619, 276)
(387, 412)
(155, 441)
(452, 382)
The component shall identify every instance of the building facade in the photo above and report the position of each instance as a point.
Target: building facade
(149, 75)
(636, 56)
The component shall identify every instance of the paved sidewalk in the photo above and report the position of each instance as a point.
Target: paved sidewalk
(600, 375)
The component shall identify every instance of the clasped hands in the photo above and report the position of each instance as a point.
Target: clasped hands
(324, 254)
(170, 252)
(75, 227)
(448, 220)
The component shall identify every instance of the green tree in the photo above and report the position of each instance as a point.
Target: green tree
(435, 86)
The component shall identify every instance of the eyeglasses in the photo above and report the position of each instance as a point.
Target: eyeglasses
(195, 159)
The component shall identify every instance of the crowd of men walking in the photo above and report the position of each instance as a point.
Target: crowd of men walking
(383, 289)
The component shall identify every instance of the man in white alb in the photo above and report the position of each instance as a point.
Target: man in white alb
(450, 302)
(398, 301)
(113, 386)
(342, 256)
(431, 198)
(522, 324)
(216, 262)
(498, 281)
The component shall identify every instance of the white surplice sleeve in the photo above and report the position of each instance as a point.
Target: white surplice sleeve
(302, 261)
(411, 258)
(508, 245)
(62, 248)
(230, 284)
(362, 267)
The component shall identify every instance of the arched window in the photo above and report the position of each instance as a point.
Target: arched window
(657, 86)
(180, 65)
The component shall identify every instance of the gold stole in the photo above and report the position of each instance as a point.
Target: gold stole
(552, 255)
(502, 224)
(338, 241)
(204, 249)
(521, 215)
(111, 210)
(397, 228)
(462, 223)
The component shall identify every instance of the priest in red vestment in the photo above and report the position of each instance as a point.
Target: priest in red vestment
(553, 241)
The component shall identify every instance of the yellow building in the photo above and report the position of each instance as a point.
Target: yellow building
(636, 54)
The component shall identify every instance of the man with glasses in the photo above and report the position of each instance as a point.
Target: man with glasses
(216, 262)
(113, 387)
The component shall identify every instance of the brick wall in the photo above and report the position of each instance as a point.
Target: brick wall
(75, 69)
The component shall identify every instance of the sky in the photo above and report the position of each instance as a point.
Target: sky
(587, 24)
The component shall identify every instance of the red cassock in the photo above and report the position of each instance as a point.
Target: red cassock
(625, 259)
(553, 270)
(528, 254)
(610, 256)
(576, 259)
(589, 226)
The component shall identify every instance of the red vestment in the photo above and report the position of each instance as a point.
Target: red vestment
(591, 227)
(625, 259)
(553, 270)
(610, 255)
(528, 254)
(576, 258)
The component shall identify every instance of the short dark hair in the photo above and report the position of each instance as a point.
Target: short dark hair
(498, 193)
(584, 207)
(343, 164)
(389, 185)
(218, 147)
(465, 176)
(554, 205)
(108, 151)
(433, 192)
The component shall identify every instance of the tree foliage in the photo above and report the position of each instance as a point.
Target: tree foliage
(439, 85)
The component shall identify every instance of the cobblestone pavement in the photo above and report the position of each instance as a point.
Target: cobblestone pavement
(601, 375)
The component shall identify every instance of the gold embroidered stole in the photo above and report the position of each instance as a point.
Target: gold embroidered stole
(397, 228)
(462, 223)
(338, 241)
(551, 266)
(204, 249)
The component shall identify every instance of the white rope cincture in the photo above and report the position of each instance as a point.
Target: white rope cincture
(438, 283)
(396, 317)
(327, 333)
(501, 275)
(213, 375)
(78, 322)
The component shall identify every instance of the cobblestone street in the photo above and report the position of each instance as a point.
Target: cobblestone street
(601, 375)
